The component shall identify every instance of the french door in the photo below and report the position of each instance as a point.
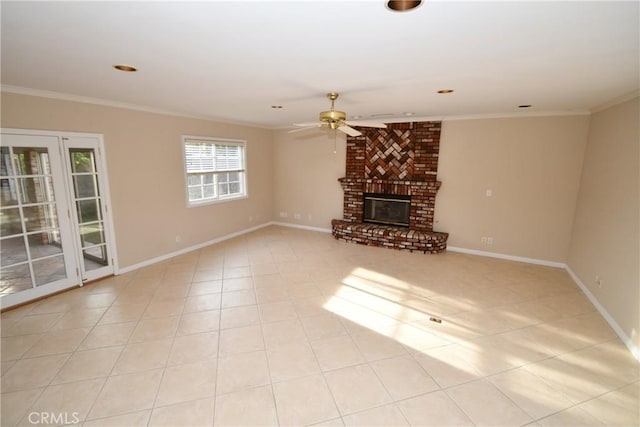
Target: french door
(54, 219)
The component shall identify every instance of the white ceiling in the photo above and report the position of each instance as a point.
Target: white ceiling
(232, 60)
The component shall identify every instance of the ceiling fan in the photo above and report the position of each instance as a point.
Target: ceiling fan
(335, 119)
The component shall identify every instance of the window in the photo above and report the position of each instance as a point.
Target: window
(215, 169)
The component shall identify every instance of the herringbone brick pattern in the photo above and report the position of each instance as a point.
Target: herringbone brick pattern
(389, 154)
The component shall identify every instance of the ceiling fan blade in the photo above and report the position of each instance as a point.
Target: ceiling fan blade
(309, 124)
(367, 124)
(349, 130)
(308, 127)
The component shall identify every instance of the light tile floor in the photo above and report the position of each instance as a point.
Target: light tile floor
(290, 327)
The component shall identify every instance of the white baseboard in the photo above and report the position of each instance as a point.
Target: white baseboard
(635, 351)
(610, 320)
(302, 227)
(170, 255)
(183, 251)
(507, 257)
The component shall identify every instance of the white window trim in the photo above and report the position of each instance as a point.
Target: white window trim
(186, 139)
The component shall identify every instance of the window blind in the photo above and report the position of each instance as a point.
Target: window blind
(209, 157)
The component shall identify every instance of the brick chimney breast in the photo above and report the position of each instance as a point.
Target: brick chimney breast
(399, 160)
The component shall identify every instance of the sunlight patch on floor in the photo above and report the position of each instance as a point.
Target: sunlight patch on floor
(375, 302)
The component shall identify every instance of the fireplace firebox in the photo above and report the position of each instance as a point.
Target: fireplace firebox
(387, 209)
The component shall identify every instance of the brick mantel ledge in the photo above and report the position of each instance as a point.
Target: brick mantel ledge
(384, 186)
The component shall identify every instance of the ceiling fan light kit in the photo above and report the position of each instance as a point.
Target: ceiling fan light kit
(332, 117)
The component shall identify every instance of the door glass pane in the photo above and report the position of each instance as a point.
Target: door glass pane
(88, 210)
(6, 168)
(82, 160)
(36, 189)
(10, 222)
(31, 160)
(21, 162)
(92, 234)
(95, 257)
(15, 279)
(49, 270)
(85, 186)
(44, 244)
(13, 251)
(8, 192)
(42, 217)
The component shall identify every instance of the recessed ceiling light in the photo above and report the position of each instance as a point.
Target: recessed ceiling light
(125, 68)
(356, 117)
(445, 91)
(524, 106)
(408, 114)
(276, 107)
(403, 5)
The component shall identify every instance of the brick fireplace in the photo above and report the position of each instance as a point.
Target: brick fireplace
(401, 160)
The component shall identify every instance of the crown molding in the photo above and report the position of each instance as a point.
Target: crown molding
(440, 118)
(116, 104)
(509, 115)
(446, 118)
(616, 101)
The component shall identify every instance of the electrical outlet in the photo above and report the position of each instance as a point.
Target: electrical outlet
(489, 192)
(489, 240)
(250, 218)
(283, 215)
(598, 281)
(296, 216)
(484, 240)
(178, 238)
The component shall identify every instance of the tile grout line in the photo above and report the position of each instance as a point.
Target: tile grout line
(322, 373)
(218, 333)
(173, 338)
(106, 379)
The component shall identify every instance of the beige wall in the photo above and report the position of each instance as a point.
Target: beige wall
(606, 232)
(532, 166)
(146, 175)
(306, 173)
